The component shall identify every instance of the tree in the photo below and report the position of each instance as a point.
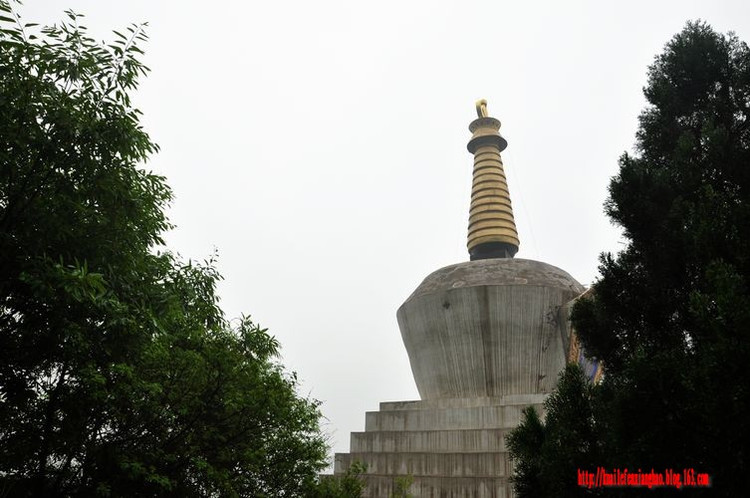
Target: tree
(549, 455)
(401, 486)
(349, 485)
(670, 312)
(119, 375)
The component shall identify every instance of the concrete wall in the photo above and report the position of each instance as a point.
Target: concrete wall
(475, 417)
(444, 487)
(487, 328)
(485, 339)
(449, 447)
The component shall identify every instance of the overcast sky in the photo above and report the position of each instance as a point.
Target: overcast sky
(320, 148)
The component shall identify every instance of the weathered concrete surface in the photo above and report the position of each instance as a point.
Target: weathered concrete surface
(487, 328)
(450, 447)
(432, 464)
(485, 339)
(509, 399)
(476, 417)
(444, 487)
(503, 271)
(440, 441)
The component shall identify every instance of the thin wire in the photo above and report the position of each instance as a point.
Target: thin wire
(515, 185)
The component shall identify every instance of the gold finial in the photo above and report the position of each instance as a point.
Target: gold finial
(482, 108)
(492, 228)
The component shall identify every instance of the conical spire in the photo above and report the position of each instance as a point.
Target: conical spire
(492, 229)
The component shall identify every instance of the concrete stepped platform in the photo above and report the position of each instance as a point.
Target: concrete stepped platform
(495, 464)
(450, 447)
(443, 441)
(468, 417)
(442, 487)
(507, 400)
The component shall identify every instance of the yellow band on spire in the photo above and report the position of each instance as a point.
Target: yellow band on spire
(492, 228)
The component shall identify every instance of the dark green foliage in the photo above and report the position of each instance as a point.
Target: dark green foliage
(349, 485)
(670, 313)
(401, 487)
(119, 375)
(525, 445)
(548, 455)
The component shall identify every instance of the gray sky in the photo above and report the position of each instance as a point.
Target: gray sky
(320, 147)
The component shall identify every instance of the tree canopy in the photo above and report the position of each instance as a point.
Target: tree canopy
(119, 375)
(549, 454)
(669, 314)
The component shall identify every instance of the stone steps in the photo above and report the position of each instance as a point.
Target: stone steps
(439, 487)
(470, 417)
(495, 464)
(441, 441)
(507, 400)
(449, 447)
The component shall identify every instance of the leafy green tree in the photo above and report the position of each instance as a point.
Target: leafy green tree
(349, 485)
(549, 454)
(401, 487)
(119, 375)
(670, 313)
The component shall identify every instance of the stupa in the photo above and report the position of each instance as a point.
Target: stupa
(485, 339)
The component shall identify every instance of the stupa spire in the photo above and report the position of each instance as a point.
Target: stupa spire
(492, 228)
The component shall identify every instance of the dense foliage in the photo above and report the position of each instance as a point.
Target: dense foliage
(119, 375)
(351, 484)
(669, 315)
(559, 447)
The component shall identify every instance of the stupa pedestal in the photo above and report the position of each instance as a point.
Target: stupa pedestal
(449, 447)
